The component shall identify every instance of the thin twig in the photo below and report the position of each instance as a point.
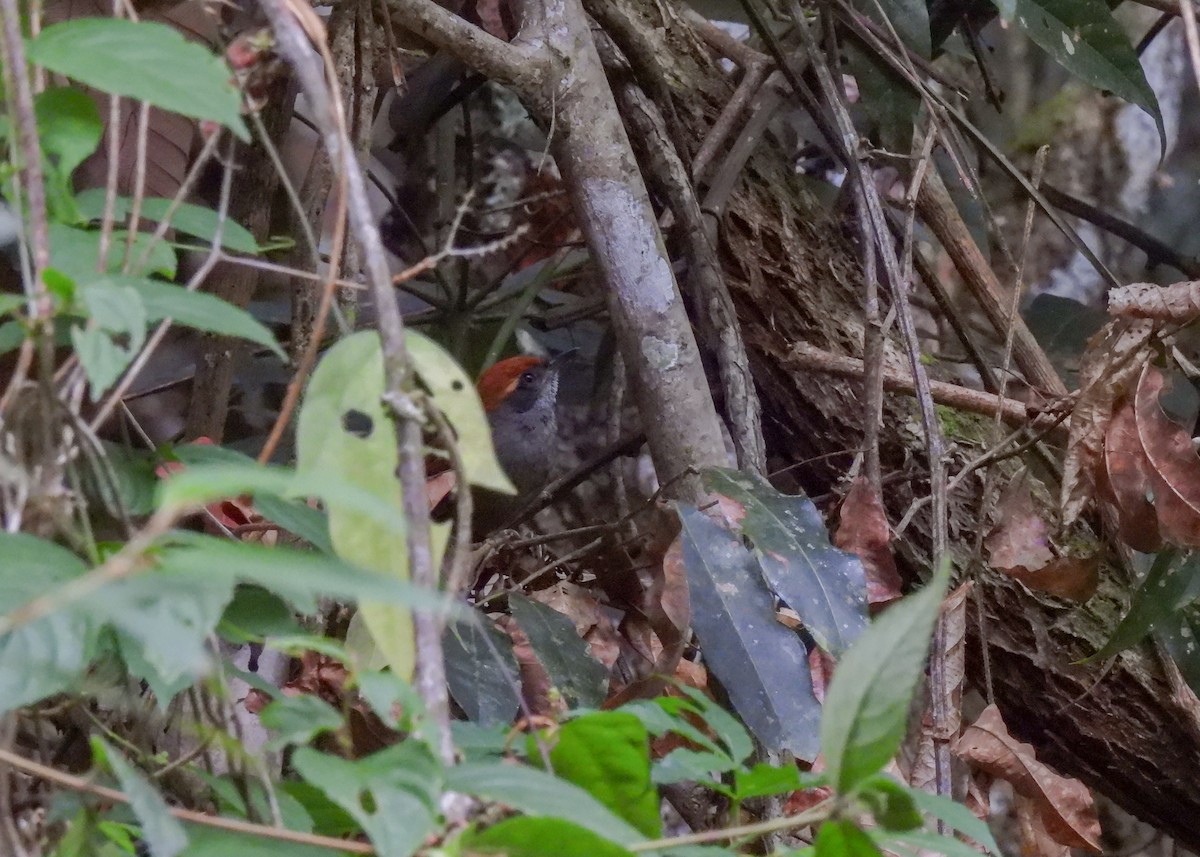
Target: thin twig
(233, 825)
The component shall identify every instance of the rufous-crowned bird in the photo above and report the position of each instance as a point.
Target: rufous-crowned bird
(520, 396)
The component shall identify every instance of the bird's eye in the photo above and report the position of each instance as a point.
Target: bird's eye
(527, 377)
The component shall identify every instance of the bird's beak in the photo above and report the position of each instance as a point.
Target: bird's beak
(558, 360)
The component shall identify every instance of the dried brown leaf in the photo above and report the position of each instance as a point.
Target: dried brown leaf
(1035, 840)
(536, 685)
(1065, 806)
(1020, 547)
(1114, 357)
(1174, 470)
(863, 530)
(1178, 302)
(1125, 482)
(591, 623)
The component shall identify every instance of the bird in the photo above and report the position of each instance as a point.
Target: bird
(520, 398)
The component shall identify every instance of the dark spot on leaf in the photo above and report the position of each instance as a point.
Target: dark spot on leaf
(357, 423)
(456, 385)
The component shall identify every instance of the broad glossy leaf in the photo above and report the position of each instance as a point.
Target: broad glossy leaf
(484, 688)
(581, 679)
(344, 429)
(145, 60)
(403, 782)
(195, 220)
(162, 832)
(255, 613)
(867, 703)
(45, 656)
(1167, 586)
(455, 396)
(608, 754)
(1083, 37)
(299, 719)
(825, 586)
(761, 664)
(535, 792)
(541, 837)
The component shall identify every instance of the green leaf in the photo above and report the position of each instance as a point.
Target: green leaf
(481, 671)
(535, 792)
(255, 613)
(194, 220)
(957, 817)
(299, 719)
(8, 303)
(76, 253)
(343, 429)
(921, 842)
(761, 664)
(202, 311)
(763, 780)
(297, 518)
(297, 575)
(392, 794)
(891, 803)
(1083, 37)
(580, 678)
(825, 586)
(541, 837)
(144, 60)
(328, 819)
(1167, 586)
(208, 842)
(69, 128)
(161, 830)
(608, 754)
(456, 397)
(909, 17)
(866, 705)
(45, 656)
(844, 839)
(102, 360)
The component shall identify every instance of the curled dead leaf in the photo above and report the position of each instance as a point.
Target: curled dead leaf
(1114, 357)
(1124, 482)
(863, 530)
(1064, 805)
(1174, 471)
(1178, 302)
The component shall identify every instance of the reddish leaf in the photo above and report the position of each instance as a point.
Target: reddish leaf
(1174, 470)
(1125, 482)
(535, 681)
(863, 530)
(582, 608)
(1111, 364)
(1064, 805)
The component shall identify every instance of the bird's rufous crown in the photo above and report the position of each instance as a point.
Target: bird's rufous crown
(497, 383)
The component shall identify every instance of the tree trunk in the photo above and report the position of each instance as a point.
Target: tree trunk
(795, 279)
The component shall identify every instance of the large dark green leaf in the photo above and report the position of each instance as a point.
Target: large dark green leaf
(76, 253)
(208, 842)
(201, 311)
(762, 665)
(144, 60)
(608, 754)
(1083, 37)
(825, 586)
(481, 671)
(299, 719)
(867, 703)
(1169, 585)
(581, 679)
(844, 839)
